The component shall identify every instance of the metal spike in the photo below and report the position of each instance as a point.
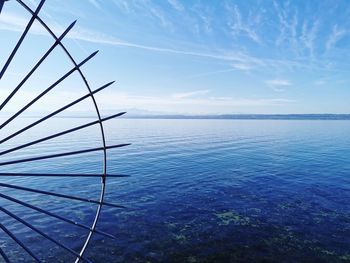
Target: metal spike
(4, 256)
(9, 233)
(36, 66)
(43, 234)
(61, 175)
(2, 4)
(43, 211)
(47, 90)
(55, 112)
(58, 195)
(63, 154)
(14, 51)
(100, 120)
(61, 133)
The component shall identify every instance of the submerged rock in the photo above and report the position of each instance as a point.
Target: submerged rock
(229, 217)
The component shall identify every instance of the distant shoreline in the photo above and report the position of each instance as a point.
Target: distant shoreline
(248, 117)
(220, 117)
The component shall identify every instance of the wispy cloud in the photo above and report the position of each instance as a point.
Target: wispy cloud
(334, 37)
(240, 27)
(123, 5)
(176, 5)
(158, 14)
(146, 9)
(196, 102)
(190, 105)
(287, 25)
(309, 33)
(278, 84)
(95, 3)
(236, 59)
(204, 18)
(319, 82)
(14, 22)
(239, 60)
(190, 94)
(242, 66)
(294, 33)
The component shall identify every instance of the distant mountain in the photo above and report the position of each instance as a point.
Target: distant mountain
(144, 114)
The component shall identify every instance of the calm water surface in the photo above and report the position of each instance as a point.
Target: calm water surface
(199, 191)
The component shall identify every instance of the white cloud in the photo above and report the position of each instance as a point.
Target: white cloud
(176, 5)
(319, 82)
(185, 103)
(308, 37)
(95, 3)
(237, 59)
(242, 66)
(334, 37)
(278, 84)
(123, 5)
(299, 36)
(287, 26)
(240, 27)
(189, 105)
(190, 94)
(160, 16)
(12, 22)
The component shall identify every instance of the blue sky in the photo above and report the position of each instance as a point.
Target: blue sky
(195, 56)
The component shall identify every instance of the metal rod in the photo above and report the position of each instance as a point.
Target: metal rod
(1, 6)
(4, 256)
(14, 51)
(48, 52)
(58, 195)
(61, 133)
(63, 154)
(103, 182)
(43, 234)
(43, 211)
(47, 90)
(60, 175)
(10, 234)
(55, 112)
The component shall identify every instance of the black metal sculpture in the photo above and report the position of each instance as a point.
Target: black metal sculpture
(79, 255)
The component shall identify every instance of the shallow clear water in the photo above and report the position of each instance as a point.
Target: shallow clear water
(200, 190)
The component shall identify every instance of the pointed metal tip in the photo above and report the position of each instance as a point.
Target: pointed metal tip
(110, 83)
(92, 55)
(120, 114)
(72, 24)
(117, 175)
(67, 30)
(87, 59)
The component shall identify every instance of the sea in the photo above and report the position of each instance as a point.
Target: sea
(197, 191)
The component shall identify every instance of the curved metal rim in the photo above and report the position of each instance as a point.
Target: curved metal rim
(104, 175)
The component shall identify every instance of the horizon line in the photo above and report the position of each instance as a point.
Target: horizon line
(237, 116)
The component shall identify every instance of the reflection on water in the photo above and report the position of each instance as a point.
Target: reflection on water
(200, 190)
